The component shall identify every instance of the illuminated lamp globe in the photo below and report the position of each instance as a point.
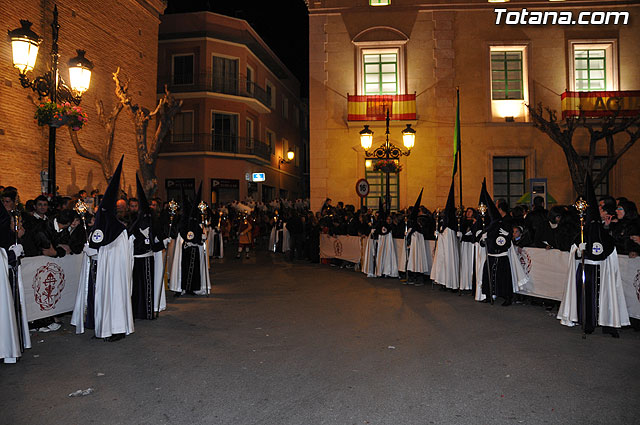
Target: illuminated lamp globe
(408, 137)
(80, 72)
(366, 138)
(290, 155)
(24, 46)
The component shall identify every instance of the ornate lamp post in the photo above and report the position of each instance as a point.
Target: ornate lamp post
(24, 46)
(388, 151)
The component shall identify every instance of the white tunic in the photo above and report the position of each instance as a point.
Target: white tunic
(445, 270)
(175, 281)
(417, 261)
(386, 259)
(9, 334)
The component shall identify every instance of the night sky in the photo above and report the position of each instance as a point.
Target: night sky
(282, 24)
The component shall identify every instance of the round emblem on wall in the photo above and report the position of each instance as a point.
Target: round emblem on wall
(501, 241)
(190, 236)
(97, 236)
(597, 248)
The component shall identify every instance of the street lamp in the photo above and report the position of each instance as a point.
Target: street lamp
(289, 157)
(388, 151)
(24, 45)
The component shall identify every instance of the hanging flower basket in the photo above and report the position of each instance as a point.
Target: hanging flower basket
(54, 115)
(390, 166)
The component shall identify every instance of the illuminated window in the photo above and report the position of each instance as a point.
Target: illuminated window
(379, 2)
(593, 65)
(506, 75)
(380, 73)
(590, 69)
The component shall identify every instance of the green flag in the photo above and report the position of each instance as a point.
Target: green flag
(456, 134)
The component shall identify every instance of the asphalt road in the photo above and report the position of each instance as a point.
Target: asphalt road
(281, 343)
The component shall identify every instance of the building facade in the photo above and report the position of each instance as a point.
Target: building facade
(241, 114)
(410, 56)
(115, 34)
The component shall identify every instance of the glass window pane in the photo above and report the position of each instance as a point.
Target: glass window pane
(499, 95)
(500, 163)
(581, 64)
(596, 64)
(515, 75)
(582, 85)
(514, 85)
(597, 85)
(514, 95)
(390, 57)
(581, 53)
(596, 53)
(500, 177)
(372, 78)
(582, 74)
(499, 190)
(497, 75)
(516, 190)
(497, 56)
(371, 58)
(498, 85)
(597, 74)
(516, 163)
(389, 67)
(516, 176)
(389, 87)
(371, 68)
(372, 88)
(514, 65)
(517, 56)
(497, 65)
(389, 78)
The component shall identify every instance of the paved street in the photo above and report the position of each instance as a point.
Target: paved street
(277, 343)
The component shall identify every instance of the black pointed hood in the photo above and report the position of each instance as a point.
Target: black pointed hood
(416, 208)
(492, 210)
(451, 221)
(190, 228)
(144, 211)
(107, 226)
(589, 195)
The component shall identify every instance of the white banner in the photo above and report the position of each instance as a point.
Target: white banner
(630, 272)
(50, 284)
(348, 248)
(547, 271)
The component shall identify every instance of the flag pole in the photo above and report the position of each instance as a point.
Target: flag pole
(459, 141)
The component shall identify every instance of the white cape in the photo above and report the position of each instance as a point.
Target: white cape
(417, 261)
(368, 259)
(386, 259)
(9, 334)
(445, 270)
(274, 238)
(467, 253)
(612, 305)
(480, 253)
(175, 281)
(78, 316)
(158, 282)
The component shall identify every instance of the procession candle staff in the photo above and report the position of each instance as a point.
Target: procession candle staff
(16, 286)
(482, 208)
(202, 206)
(81, 208)
(173, 209)
(581, 205)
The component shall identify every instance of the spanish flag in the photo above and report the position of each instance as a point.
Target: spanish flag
(374, 108)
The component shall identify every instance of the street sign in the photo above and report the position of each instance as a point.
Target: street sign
(362, 188)
(258, 177)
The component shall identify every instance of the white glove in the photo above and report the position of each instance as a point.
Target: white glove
(90, 251)
(582, 246)
(17, 250)
(484, 237)
(459, 235)
(166, 242)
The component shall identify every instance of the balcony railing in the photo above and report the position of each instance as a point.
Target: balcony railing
(374, 107)
(185, 83)
(224, 143)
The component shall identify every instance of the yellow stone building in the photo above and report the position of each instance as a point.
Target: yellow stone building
(413, 54)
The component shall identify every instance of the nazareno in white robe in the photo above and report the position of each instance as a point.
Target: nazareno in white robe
(417, 261)
(612, 308)
(445, 270)
(10, 348)
(480, 253)
(274, 238)
(213, 234)
(386, 258)
(368, 259)
(175, 280)
(114, 276)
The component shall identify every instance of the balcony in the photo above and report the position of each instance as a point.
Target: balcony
(402, 107)
(223, 144)
(206, 84)
(597, 104)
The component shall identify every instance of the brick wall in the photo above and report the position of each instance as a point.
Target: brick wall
(114, 33)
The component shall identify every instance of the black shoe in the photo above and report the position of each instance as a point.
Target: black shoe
(611, 331)
(507, 302)
(115, 337)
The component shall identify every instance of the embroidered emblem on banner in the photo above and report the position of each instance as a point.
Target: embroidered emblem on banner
(525, 260)
(97, 236)
(501, 241)
(47, 285)
(597, 248)
(337, 247)
(190, 236)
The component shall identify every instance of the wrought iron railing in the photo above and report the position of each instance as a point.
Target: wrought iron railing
(212, 142)
(236, 86)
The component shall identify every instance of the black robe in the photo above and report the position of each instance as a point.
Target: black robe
(497, 269)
